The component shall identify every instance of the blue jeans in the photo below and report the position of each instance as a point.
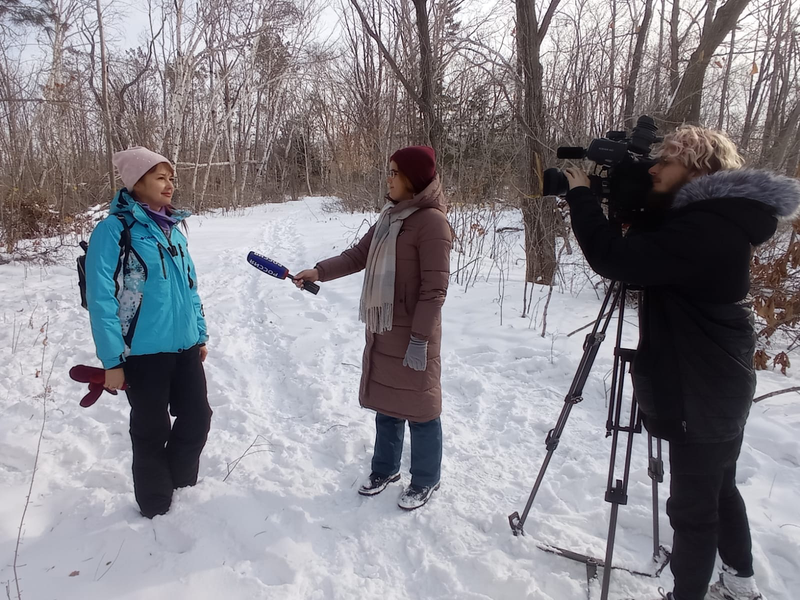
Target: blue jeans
(426, 449)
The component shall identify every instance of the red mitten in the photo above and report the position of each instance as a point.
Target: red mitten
(96, 378)
(84, 374)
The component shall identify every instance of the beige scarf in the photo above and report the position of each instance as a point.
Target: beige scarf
(377, 295)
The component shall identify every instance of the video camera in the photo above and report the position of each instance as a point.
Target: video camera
(623, 180)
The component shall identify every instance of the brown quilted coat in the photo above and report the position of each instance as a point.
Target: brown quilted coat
(422, 275)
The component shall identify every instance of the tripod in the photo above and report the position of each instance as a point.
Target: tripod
(618, 424)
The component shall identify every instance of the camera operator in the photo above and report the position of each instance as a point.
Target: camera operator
(693, 372)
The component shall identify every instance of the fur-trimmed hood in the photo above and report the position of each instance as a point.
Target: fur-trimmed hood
(778, 192)
(753, 199)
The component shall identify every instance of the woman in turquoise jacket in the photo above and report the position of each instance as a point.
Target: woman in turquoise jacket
(148, 327)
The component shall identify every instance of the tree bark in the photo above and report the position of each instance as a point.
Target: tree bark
(674, 48)
(424, 97)
(723, 100)
(539, 214)
(106, 106)
(636, 63)
(685, 105)
(426, 93)
(752, 104)
(775, 156)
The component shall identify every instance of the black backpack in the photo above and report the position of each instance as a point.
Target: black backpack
(124, 245)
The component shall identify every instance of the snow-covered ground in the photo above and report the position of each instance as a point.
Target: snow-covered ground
(283, 374)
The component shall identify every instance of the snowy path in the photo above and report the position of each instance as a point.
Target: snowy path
(283, 372)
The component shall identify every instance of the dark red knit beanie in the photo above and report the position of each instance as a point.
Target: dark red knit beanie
(418, 163)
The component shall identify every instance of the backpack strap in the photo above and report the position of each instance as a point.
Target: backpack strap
(124, 252)
(124, 242)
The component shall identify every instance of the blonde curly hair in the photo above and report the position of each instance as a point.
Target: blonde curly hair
(700, 149)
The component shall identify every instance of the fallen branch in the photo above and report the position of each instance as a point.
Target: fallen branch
(778, 393)
(235, 463)
(111, 564)
(586, 326)
(457, 271)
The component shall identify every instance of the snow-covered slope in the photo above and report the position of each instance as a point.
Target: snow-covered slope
(283, 374)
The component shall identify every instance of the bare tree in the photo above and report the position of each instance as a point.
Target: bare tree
(539, 214)
(686, 101)
(423, 95)
(636, 62)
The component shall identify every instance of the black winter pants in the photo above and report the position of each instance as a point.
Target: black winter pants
(166, 456)
(707, 514)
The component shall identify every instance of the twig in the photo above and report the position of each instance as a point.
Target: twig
(30, 320)
(232, 465)
(15, 335)
(502, 290)
(544, 315)
(778, 393)
(525, 299)
(46, 384)
(111, 564)
(99, 562)
(457, 271)
(586, 326)
(550, 295)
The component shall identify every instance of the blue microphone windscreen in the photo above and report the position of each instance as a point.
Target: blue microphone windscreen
(267, 265)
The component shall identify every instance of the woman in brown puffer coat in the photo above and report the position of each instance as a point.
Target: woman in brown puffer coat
(406, 255)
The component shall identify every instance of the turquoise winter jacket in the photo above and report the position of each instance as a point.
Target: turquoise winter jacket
(144, 301)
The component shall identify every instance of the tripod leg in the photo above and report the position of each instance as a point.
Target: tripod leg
(655, 470)
(617, 493)
(617, 490)
(573, 397)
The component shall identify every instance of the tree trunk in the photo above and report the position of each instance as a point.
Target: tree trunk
(636, 64)
(612, 62)
(779, 147)
(674, 47)
(685, 106)
(106, 107)
(431, 124)
(755, 96)
(723, 100)
(778, 92)
(539, 214)
(424, 98)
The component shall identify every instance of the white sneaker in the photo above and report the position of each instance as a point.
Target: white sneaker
(731, 587)
(415, 496)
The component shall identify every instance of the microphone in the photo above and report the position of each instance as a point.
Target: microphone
(569, 152)
(277, 270)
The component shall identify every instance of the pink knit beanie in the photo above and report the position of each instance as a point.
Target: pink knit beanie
(134, 162)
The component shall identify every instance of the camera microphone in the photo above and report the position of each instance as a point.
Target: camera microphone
(570, 152)
(277, 270)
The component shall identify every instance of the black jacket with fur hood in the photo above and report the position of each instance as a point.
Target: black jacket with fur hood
(693, 372)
